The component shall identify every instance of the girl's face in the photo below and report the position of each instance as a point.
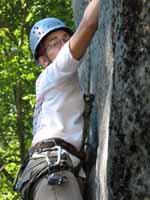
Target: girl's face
(54, 42)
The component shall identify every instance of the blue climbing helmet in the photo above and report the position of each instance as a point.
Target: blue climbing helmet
(42, 28)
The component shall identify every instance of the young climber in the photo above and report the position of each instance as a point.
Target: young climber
(54, 159)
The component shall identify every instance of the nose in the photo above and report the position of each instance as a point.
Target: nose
(62, 43)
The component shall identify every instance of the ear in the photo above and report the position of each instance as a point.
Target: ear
(43, 61)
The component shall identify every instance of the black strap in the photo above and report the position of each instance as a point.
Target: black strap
(49, 143)
(89, 99)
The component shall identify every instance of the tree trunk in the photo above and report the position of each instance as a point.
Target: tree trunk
(117, 68)
(19, 118)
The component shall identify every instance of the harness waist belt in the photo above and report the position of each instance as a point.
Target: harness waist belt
(49, 143)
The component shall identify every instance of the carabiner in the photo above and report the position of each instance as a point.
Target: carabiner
(58, 149)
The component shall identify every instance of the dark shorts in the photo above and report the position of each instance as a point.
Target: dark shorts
(34, 181)
(34, 170)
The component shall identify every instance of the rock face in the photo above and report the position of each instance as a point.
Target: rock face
(117, 70)
(129, 164)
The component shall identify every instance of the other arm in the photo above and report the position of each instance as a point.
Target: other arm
(84, 33)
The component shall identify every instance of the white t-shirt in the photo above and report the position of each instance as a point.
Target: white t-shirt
(59, 101)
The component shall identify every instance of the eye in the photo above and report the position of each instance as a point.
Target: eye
(54, 43)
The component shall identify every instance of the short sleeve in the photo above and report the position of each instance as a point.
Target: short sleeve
(63, 66)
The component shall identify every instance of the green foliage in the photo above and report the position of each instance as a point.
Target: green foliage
(18, 73)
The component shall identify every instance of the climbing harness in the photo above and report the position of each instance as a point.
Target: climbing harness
(57, 159)
(49, 143)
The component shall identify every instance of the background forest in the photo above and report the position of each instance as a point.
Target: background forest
(18, 73)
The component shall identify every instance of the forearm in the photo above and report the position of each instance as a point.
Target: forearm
(90, 17)
(84, 33)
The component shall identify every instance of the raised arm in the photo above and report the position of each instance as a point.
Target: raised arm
(84, 33)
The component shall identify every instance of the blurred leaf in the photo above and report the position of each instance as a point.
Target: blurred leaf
(30, 15)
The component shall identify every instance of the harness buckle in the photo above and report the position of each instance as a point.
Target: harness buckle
(56, 179)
